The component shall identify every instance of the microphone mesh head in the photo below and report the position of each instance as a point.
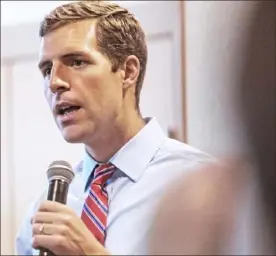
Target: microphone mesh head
(60, 170)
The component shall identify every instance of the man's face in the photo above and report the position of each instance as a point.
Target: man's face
(85, 96)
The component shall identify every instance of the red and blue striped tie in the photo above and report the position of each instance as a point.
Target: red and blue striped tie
(95, 209)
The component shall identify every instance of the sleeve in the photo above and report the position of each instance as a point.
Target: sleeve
(23, 241)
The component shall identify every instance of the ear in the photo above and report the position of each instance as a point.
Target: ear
(132, 70)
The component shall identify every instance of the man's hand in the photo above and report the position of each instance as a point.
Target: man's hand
(63, 232)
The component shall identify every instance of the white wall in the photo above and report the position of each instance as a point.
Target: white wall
(5, 184)
(214, 36)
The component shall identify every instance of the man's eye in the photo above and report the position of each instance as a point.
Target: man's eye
(78, 63)
(47, 72)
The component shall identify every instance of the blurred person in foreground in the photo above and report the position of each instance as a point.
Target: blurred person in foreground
(230, 207)
(93, 59)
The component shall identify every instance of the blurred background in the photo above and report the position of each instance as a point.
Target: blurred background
(194, 54)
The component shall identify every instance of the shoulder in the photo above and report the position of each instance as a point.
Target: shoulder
(182, 150)
(173, 153)
(174, 160)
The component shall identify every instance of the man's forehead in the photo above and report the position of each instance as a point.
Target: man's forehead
(77, 36)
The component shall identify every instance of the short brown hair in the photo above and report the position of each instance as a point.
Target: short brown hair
(118, 33)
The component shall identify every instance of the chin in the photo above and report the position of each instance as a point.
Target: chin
(72, 135)
(71, 139)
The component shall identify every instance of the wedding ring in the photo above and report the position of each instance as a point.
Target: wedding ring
(41, 228)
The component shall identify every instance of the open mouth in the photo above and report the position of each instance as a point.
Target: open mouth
(67, 110)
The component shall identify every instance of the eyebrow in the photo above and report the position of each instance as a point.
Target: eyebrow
(44, 63)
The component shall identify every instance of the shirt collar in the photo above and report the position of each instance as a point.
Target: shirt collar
(135, 155)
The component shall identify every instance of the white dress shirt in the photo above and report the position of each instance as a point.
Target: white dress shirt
(146, 165)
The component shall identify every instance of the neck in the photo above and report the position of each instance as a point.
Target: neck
(115, 136)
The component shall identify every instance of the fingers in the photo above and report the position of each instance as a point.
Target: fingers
(48, 217)
(50, 229)
(57, 228)
(52, 206)
(53, 212)
(55, 238)
(49, 242)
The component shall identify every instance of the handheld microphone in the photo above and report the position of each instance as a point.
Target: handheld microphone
(60, 175)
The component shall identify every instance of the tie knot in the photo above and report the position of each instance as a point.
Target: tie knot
(102, 173)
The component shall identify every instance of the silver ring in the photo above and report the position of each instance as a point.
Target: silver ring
(41, 228)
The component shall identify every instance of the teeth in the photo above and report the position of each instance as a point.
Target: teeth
(67, 110)
(64, 108)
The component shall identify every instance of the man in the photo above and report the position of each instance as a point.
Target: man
(93, 59)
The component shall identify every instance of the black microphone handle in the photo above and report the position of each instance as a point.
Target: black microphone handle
(58, 190)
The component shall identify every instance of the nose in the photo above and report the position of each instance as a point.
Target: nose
(58, 82)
